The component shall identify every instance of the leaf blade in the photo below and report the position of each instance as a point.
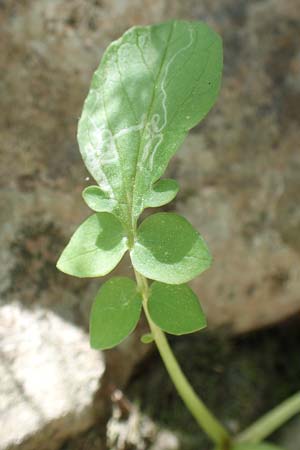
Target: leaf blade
(169, 249)
(175, 308)
(115, 313)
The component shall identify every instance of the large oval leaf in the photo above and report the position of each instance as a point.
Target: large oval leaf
(115, 312)
(175, 309)
(169, 249)
(95, 248)
(152, 86)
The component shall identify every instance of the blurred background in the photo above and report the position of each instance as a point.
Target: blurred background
(239, 173)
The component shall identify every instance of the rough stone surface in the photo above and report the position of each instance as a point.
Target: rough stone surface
(49, 377)
(238, 170)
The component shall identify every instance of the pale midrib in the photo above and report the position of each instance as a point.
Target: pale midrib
(148, 115)
(124, 180)
(110, 129)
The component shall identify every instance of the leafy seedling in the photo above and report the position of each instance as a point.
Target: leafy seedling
(151, 87)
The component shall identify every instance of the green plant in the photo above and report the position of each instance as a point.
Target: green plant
(152, 86)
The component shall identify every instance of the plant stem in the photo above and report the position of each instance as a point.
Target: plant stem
(201, 413)
(268, 423)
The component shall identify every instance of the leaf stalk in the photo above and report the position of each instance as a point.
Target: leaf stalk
(213, 428)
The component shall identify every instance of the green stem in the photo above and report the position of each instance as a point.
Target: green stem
(195, 405)
(268, 423)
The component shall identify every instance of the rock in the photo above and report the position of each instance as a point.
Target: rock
(49, 377)
(50, 51)
(254, 280)
(238, 170)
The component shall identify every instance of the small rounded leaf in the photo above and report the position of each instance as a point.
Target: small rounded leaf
(98, 200)
(95, 248)
(175, 308)
(163, 191)
(115, 312)
(169, 249)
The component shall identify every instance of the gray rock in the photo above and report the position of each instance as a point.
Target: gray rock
(49, 377)
(239, 170)
(254, 280)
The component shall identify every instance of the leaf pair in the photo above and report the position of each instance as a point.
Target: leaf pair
(162, 192)
(117, 308)
(167, 248)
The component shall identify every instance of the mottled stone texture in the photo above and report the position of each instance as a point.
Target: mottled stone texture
(49, 378)
(238, 171)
